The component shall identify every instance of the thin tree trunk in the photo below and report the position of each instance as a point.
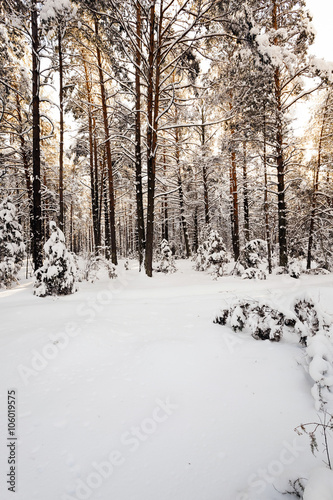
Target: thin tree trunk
(282, 208)
(108, 152)
(36, 184)
(266, 211)
(106, 214)
(61, 133)
(234, 195)
(196, 230)
(93, 164)
(165, 223)
(315, 188)
(138, 165)
(204, 168)
(234, 206)
(153, 107)
(181, 199)
(245, 196)
(25, 162)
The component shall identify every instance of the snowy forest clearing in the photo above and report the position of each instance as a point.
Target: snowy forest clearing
(128, 390)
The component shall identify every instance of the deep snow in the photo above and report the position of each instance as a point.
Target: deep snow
(126, 390)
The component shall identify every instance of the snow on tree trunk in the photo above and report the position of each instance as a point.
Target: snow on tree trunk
(57, 276)
(11, 243)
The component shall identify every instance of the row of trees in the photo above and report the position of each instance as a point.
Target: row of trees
(131, 122)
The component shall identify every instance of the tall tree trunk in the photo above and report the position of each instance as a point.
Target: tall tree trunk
(204, 168)
(234, 206)
(36, 184)
(138, 157)
(108, 152)
(25, 161)
(245, 196)
(315, 188)
(153, 91)
(282, 208)
(196, 230)
(181, 199)
(233, 194)
(165, 216)
(93, 164)
(106, 214)
(266, 208)
(61, 132)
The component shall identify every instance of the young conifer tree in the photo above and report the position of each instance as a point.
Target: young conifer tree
(11, 243)
(57, 276)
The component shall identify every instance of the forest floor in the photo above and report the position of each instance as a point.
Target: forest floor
(127, 390)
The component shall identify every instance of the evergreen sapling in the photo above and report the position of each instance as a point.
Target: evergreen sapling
(57, 276)
(11, 244)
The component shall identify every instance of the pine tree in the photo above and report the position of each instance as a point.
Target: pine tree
(57, 276)
(166, 264)
(212, 253)
(11, 243)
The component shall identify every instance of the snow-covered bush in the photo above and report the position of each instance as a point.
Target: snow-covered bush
(317, 271)
(304, 319)
(254, 254)
(57, 276)
(94, 265)
(265, 321)
(212, 253)
(11, 243)
(253, 273)
(259, 318)
(166, 263)
(296, 267)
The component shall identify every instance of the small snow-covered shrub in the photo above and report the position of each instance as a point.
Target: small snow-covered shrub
(311, 316)
(267, 322)
(254, 254)
(201, 262)
(212, 253)
(262, 320)
(317, 271)
(304, 319)
(252, 273)
(295, 268)
(57, 276)
(166, 263)
(94, 265)
(11, 243)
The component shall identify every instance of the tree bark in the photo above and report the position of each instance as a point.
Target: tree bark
(36, 184)
(61, 132)
(282, 208)
(181, 199)
(25, 161)
(245, 197)
(108, 152)
(93, 164)
(153, 107)
(266, 208)
(138, 163)
(315, 188)
(234, 206)
(204, 168)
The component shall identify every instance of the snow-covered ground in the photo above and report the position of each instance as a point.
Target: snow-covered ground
(127, 390)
